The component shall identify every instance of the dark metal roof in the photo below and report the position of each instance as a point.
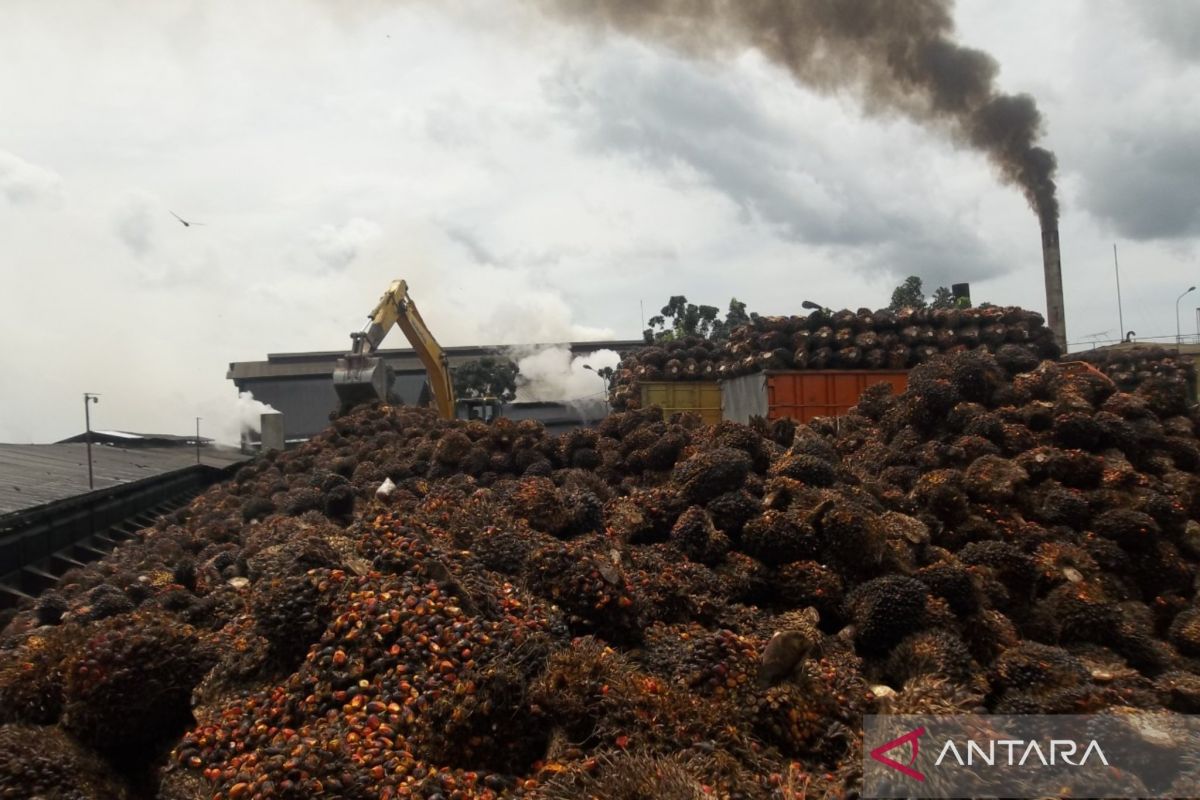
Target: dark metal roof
(287, 365)
(135, 439)
(35, 474)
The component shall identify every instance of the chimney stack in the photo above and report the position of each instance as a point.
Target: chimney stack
(272, 431)
(1055, 315)
(961, 291)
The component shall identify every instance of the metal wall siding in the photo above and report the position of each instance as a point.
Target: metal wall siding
(744, 397)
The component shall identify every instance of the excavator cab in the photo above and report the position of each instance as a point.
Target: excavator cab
(486, 409)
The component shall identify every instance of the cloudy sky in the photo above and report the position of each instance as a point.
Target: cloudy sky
(532, 180)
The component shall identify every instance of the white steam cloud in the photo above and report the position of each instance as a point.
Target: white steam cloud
(226, 419)
(551, 374)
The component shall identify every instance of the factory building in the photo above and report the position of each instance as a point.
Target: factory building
(300, 385)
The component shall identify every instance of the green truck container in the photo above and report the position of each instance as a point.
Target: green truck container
(703, 397)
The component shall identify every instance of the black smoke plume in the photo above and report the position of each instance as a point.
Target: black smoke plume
(898, 55)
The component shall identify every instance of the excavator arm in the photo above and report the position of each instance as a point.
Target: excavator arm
(361, 377)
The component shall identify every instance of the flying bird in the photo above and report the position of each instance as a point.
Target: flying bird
(186, 224)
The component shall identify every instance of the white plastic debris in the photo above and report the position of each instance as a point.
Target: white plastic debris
(385, 489)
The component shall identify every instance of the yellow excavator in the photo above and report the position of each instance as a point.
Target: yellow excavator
(362, 377)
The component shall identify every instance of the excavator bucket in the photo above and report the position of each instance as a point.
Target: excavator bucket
(360, 379)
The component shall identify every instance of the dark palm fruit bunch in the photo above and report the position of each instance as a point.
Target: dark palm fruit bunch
(931, 395)
(939, 491)
(1014, 569)
(31, 675)
(490, 728)
(853, 537)
(301, 499)
(746, 439)
(257, 508)
(779, 537)
(711, 473)
(719, 663)
(953, 582)
(629, 776)
(992, 479)
(697, 537)
(338, 502)
(589, 585)
(50, 608)
(1036, 669)
(127, 691)
(1130, 529)
(538, 501)
(1180, 689)
(1055, 504)
(1079, 612)
(937, 653)
(801, 584)
(102, 602)
(743, 579)
(793, 718)
(731, 511)
(45, 762)
(1185, 632)
(807, 468)
(884, 611)
(291, 613)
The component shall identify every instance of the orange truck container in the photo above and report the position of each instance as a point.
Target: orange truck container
(802, 395)
(703, 397)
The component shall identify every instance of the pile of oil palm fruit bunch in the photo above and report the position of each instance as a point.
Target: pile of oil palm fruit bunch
(408, 607)
(862, 339)
(1129, 367)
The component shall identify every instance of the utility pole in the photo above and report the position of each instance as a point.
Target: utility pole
(1120, 313)
(1178, 334)
(198, 439)
(88, 397)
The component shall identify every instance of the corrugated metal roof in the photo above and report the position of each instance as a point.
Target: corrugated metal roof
(34, 474)
(115, 437)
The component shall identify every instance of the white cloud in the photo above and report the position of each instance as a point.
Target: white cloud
(23, 183)
(134, 224)
(336, 246)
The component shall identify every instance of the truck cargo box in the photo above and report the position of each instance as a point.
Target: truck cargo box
(703, 397)
(801, 395)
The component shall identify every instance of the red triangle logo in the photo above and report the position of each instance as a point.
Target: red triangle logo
(909, 738)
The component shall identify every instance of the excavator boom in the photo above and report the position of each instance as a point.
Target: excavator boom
(362, 377)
